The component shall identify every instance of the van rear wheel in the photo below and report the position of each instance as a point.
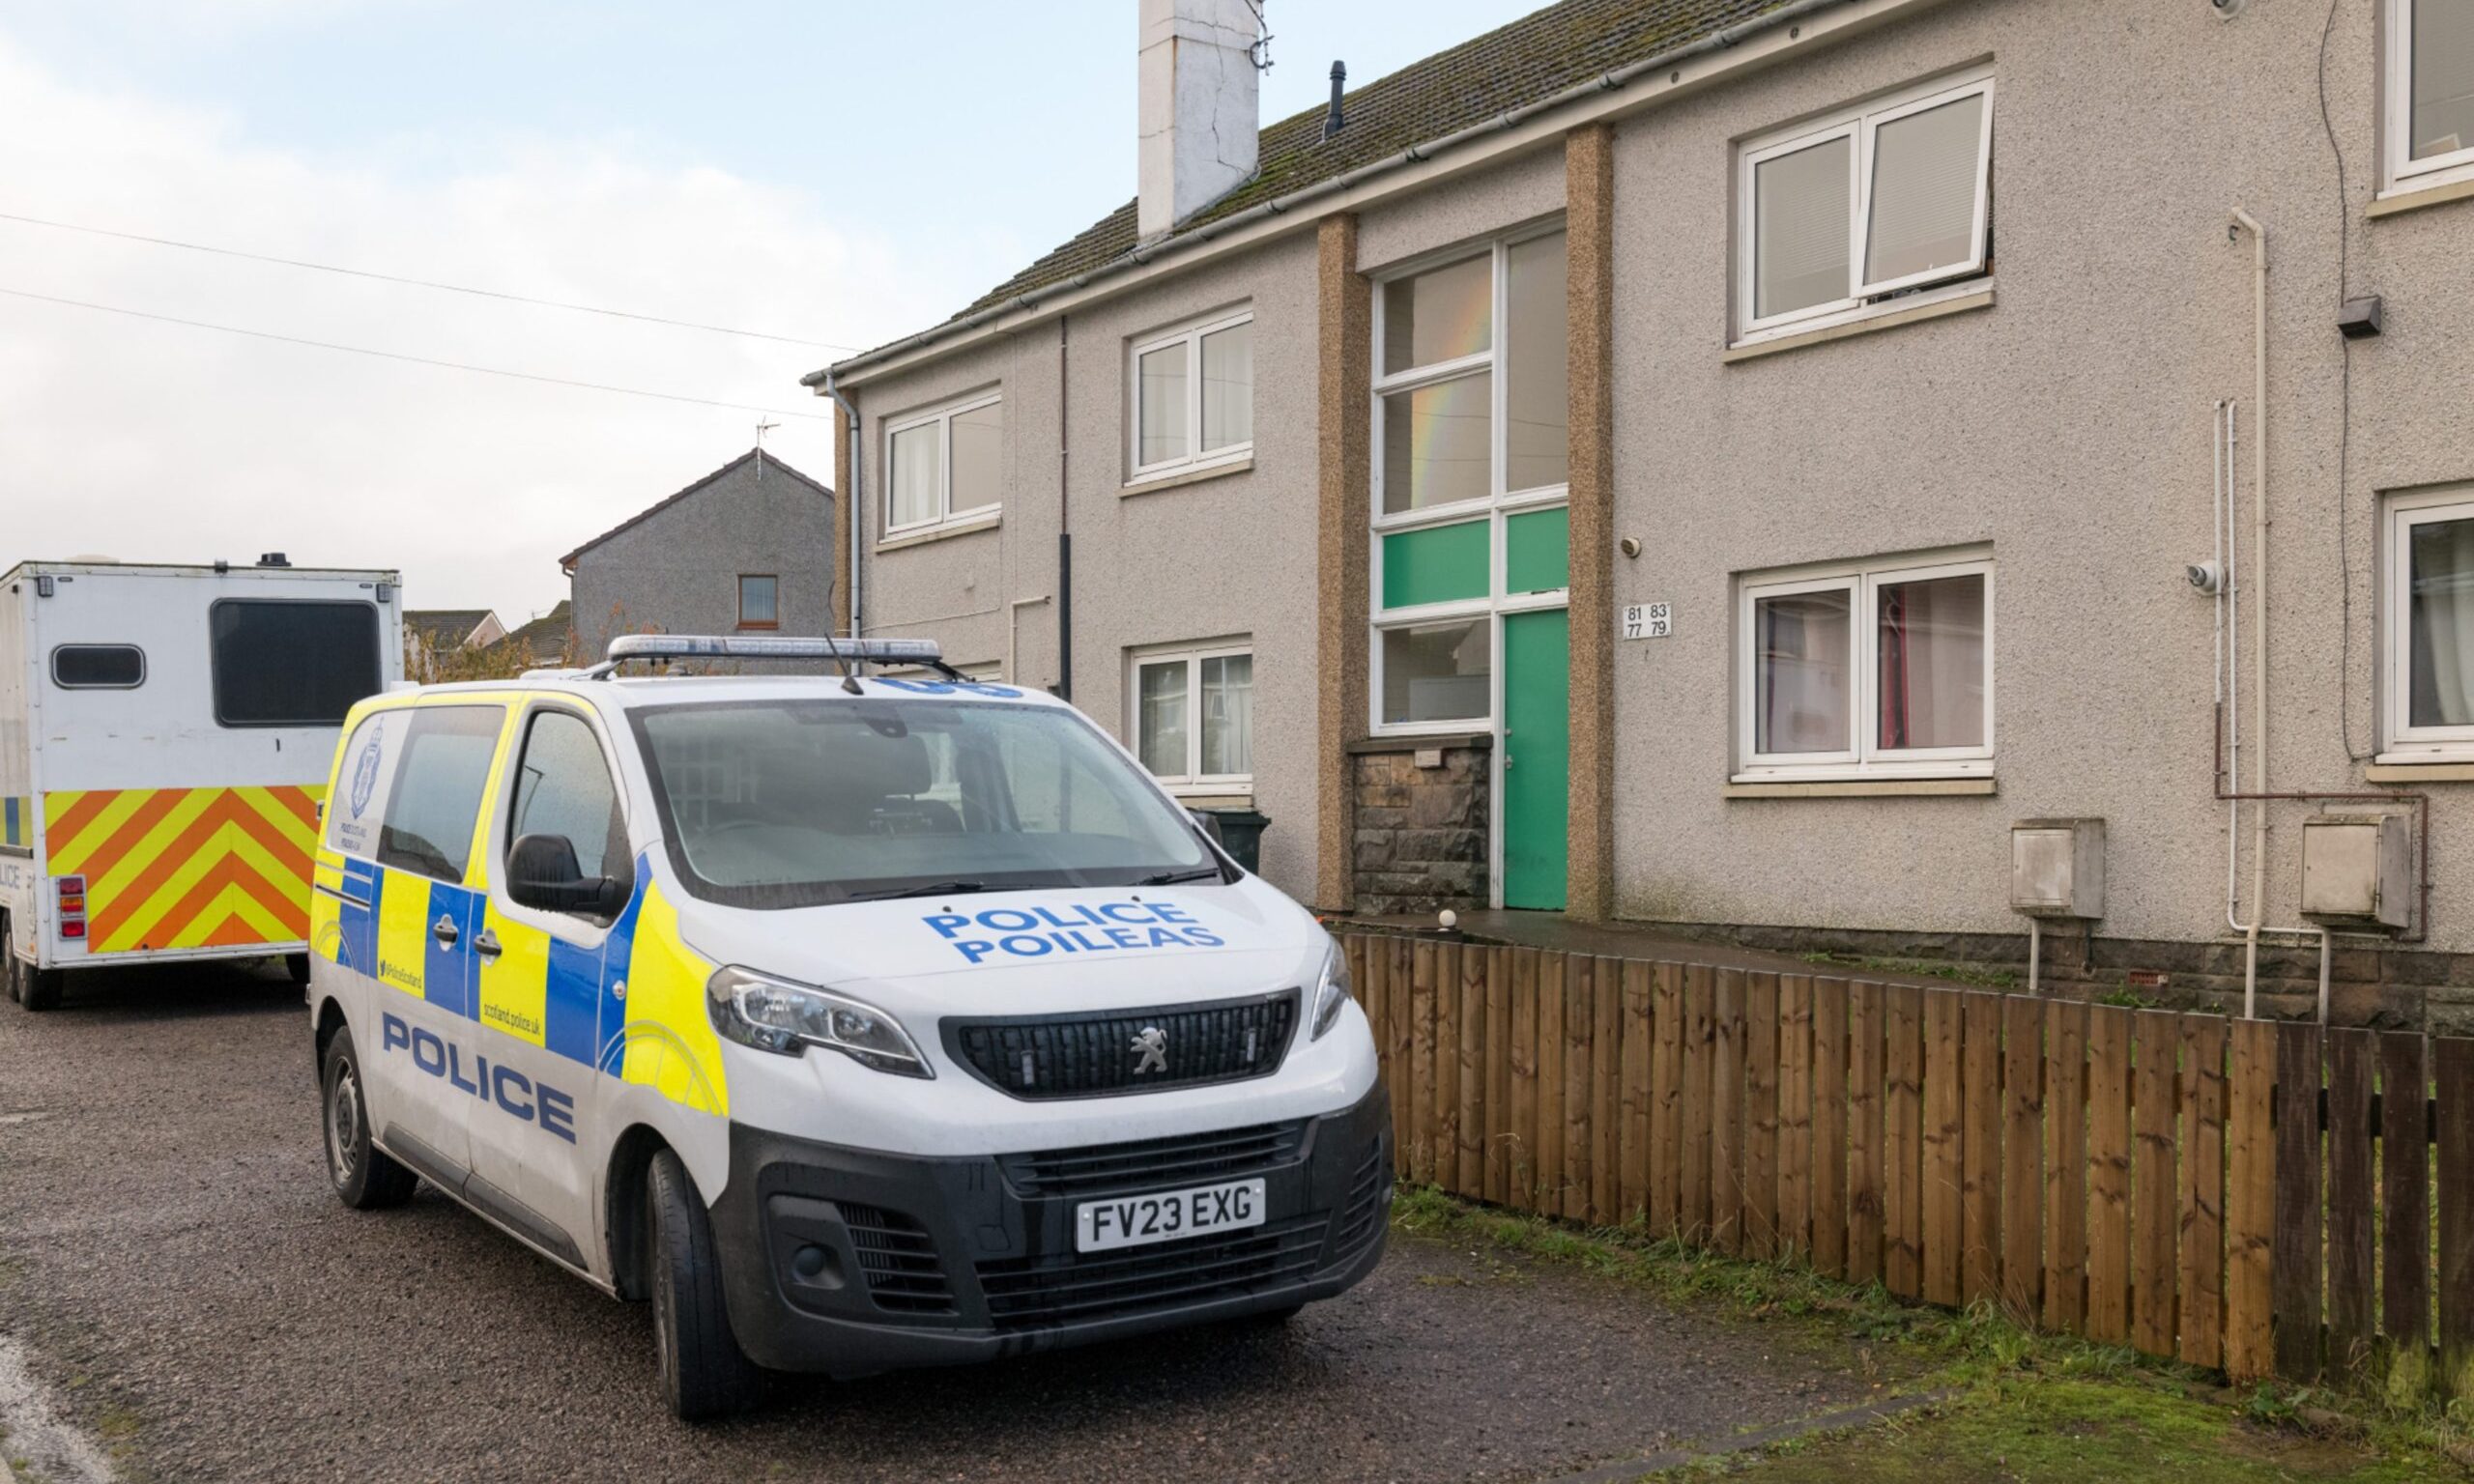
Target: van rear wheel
(703, 1373)
(364, 1177)
(37, 989)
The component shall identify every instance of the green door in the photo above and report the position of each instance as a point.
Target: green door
(1537, 757)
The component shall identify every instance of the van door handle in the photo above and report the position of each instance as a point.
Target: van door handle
(444, 929)
(487, 944)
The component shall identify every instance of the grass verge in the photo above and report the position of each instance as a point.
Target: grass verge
(2015, 1405)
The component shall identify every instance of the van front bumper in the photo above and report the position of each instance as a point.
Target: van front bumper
(851, 1263)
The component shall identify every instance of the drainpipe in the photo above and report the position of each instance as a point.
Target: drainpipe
(1064, 533)
(854, 508)
(2259, 604)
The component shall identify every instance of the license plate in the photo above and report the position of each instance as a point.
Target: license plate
(1138, 1220)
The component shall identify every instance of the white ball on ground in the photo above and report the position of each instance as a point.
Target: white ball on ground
(1446, 919)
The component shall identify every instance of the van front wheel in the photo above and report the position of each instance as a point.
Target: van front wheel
(364, 1177)
(703, 1373)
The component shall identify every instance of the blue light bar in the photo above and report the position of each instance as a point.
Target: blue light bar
(706, 646)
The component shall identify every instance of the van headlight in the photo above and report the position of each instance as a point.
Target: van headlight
(774, 1014)
(1331, 989)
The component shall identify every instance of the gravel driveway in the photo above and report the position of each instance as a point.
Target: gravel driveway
(193, 1300)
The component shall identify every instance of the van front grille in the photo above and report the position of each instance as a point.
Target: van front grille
(1110, 1052)
(1099, 1169)
(898, 1260)
(1079, 1287)
(1358, 1215)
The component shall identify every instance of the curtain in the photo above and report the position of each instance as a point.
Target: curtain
(2439, 619)
(918, 457)
(1805, 662)
(1228, 387)
(1162, 410)
(1163, 738)
(1229, 715)
(1932, 663)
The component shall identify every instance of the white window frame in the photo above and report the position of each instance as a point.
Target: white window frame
(1863, 758)
(1495, 358)
(2405, 173)
(1192, 780)
(1496, 506)
(1190, 334)
(1859, 123)
(943, 417)
(2407, 742)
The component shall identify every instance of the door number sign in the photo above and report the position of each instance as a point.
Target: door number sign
(1648, 620)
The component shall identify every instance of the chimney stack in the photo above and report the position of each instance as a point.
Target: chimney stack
(1199, 107)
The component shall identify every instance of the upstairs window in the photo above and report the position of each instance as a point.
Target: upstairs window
(2429, 91)
(760, 602)
(1836, 215)
(1193, 396)
(944, 466)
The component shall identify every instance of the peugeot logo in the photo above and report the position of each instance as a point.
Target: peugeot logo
(1151, 1045)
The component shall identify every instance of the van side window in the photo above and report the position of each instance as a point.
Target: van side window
(437, 797)
(97, 666)
(291, 664)
(562, 787)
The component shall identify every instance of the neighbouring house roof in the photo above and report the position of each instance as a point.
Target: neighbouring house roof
(772, 466)
(1528, 61)
(444, 628)
(545, 637)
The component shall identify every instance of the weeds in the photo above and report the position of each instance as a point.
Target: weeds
(2026, 1396)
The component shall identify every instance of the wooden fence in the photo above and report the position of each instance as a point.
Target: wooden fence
(2247, 1195)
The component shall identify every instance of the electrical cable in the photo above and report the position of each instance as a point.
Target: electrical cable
(2344, 418)
(418, 360)
(421, 283)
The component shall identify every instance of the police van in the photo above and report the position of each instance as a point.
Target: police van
(857, 1023)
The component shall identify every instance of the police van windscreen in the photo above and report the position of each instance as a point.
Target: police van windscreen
(290, 663)
(788, 804)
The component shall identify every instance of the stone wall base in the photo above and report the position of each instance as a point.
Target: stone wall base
(1420, 838)
(2388, 987)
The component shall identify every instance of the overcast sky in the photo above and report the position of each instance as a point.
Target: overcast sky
(827, 171)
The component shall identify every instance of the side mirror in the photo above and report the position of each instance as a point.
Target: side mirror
(1209, 823)
(542, 873)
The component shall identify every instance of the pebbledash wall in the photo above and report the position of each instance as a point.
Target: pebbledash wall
(2058, 423)
(675, 567)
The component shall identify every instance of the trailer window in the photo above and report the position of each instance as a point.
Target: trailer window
(99, 667)
(292, 663)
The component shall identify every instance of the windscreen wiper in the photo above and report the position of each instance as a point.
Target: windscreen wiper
(1178, 878)
(930, 889)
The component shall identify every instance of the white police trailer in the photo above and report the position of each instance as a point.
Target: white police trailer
(857, 1023)
(165, 732)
